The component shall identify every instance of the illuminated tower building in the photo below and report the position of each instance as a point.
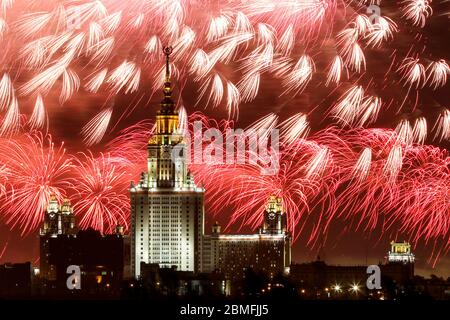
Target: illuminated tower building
(167, 208)
(400, 252)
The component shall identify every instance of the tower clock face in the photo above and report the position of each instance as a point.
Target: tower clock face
(271, 216)
(165, 153)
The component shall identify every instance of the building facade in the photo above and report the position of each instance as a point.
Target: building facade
(167, 208)
(267, 251)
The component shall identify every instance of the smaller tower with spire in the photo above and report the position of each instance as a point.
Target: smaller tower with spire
(274, 217)
(58, 219)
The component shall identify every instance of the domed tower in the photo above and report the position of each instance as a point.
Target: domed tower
(50, 226)
(58, 219)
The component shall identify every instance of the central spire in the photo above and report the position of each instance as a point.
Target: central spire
(167, 104)
(166, 117)
(167, 53)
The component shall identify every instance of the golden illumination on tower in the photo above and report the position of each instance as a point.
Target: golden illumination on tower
(66, 206)
(401, 252)
(400, 247)
(274, 217)
(166, 117)
(274, 204)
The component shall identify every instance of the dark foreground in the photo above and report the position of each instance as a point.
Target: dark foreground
(205, 308)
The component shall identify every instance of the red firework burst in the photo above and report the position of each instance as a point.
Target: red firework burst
(33, 170)
(100, 192)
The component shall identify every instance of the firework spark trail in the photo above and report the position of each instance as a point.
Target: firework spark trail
(96, 128)
(420, 130)
(294, 128)
(37, 119)
(300, 76)
(6, 91)
(404, 132)
(130, 147)
(413, 73)
(347, 108)
(417, 11)
(2, 253)
(381, 31)
(438, 73)
(335, 71)
(362, 166)
(443, 126)
(11, 121)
